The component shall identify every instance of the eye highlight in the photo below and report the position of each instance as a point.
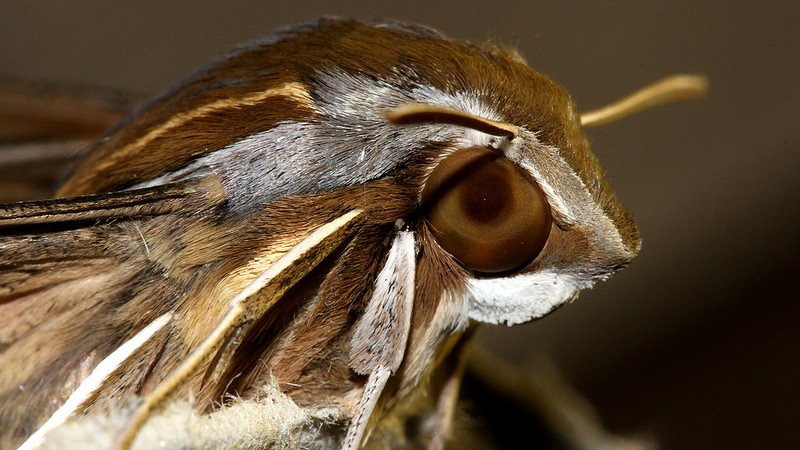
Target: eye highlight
(485, 211)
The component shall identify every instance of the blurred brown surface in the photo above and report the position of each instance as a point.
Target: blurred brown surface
(695, 343)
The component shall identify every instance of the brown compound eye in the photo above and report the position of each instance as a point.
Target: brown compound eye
(485, 211)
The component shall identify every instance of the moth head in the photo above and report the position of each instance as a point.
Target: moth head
(525, 209)
(517, 216)
(487, 156)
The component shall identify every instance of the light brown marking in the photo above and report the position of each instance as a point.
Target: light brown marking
(293, 90)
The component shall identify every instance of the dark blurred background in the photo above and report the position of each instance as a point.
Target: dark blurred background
(696, 343)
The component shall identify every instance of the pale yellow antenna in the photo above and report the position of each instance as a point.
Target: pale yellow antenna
(676, 88)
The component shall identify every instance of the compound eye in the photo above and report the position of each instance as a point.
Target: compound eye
(485, 211)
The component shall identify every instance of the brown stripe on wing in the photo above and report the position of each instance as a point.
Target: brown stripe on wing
(152, 201)
(173, 133)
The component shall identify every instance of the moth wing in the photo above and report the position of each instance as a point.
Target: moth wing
(246, 307)
(46, 127)
(61, 260)
(44, 243)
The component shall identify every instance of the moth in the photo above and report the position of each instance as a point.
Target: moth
(292, 246)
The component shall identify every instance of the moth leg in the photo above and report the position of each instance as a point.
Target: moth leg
(379, 341)
(372, 391)
(381, 333)
(247, 306)
(448, 400)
